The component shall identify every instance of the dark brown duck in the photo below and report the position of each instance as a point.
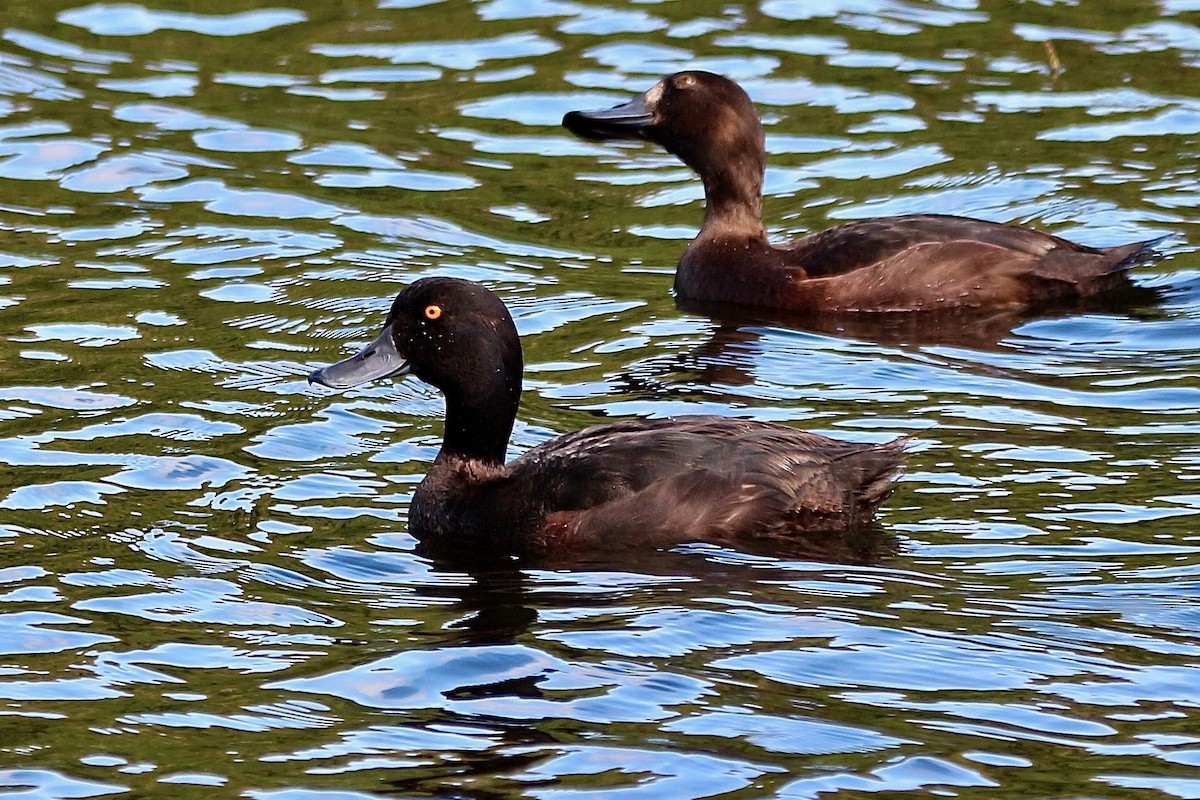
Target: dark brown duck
(635, 483)
(903, 263)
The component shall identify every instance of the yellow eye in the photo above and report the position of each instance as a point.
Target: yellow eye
(433, 311)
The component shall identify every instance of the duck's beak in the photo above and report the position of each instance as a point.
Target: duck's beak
(379, 359)
(630, 120)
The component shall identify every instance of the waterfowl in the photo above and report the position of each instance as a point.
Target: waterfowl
(901, 263)
(626, 484)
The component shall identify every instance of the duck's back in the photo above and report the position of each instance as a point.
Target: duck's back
(688, 479)
(905, 263)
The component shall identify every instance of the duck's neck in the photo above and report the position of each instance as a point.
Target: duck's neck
(480, 417)
(471, 436)
(733, 198)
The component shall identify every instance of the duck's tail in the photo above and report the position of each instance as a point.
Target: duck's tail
(1125, 257)
(882, 466)
(1077, 272)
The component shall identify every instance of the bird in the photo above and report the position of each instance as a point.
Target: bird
(626, 484)
(918, 262)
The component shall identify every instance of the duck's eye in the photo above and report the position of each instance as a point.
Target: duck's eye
(684, 81)
(433, 311)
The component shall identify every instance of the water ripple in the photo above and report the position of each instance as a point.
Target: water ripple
(207, 556)
(130, 19)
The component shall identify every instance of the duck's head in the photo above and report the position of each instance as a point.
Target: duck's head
(706, 120)
(452, 334)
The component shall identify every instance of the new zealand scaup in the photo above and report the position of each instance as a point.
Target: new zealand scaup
(902, 263)
(632, 483)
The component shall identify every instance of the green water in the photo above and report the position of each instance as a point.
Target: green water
(209, 589)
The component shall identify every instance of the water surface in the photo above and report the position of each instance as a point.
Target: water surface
(208, 584)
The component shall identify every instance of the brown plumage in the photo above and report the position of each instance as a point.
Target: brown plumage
(626, 484)
(903, 263)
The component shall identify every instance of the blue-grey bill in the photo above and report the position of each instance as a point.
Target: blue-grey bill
(379, 359)
(619, 122)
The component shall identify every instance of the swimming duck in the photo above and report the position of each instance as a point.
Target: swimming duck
(634, 483)
(901, 263)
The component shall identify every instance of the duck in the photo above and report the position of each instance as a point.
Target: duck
(626, 484)
(916, 262)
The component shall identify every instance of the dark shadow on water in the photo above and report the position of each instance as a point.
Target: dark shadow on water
(500, 606)
(983, 329)
(495, 609)
(496, 606)
(728, 356)
(861, 546)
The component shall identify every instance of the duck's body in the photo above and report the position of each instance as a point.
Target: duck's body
(907, 263)
(658, 482)
(903, 263)
(628, 484)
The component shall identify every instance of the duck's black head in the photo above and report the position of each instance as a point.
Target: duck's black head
(706, 120)
(455, 335)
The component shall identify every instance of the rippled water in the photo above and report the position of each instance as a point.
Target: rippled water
(208, 585)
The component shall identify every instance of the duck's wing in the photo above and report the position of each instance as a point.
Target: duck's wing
(933, 261)
(701, 479)
(862, 243)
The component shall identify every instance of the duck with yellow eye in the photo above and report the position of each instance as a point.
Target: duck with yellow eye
(643, 482)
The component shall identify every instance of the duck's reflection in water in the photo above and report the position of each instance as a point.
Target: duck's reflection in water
(496, 606)
(729, 356)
